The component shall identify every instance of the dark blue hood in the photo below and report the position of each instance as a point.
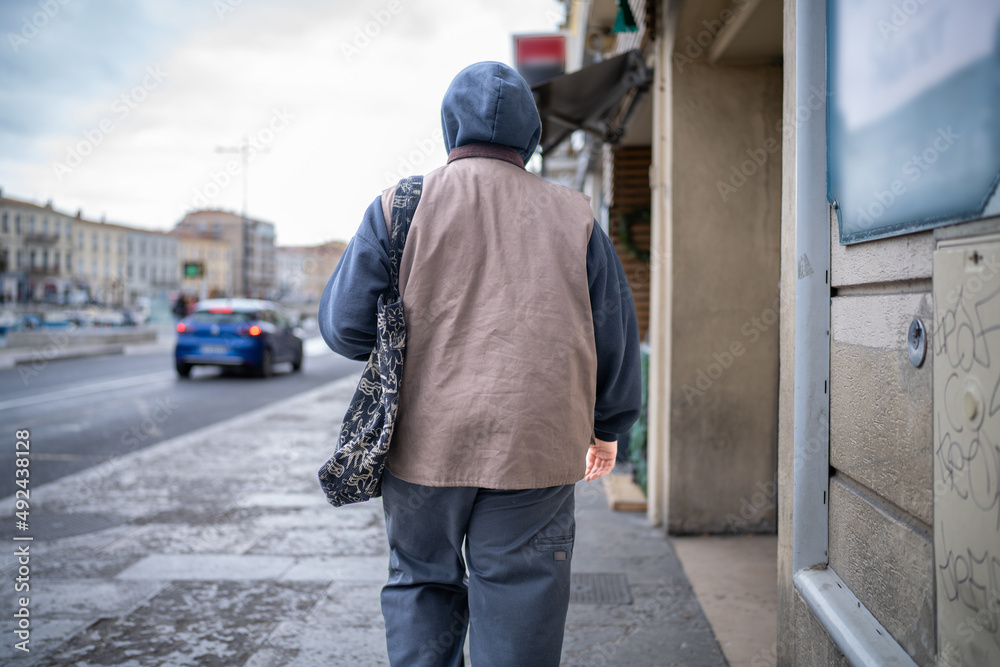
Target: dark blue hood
(490, 103)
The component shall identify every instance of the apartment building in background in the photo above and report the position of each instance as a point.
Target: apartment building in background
(100, 253)
(303, 271)
(36, 252)
(251, 241)
(206, 265)
(153, 269)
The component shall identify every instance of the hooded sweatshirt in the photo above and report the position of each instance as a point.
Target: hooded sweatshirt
(522, 342)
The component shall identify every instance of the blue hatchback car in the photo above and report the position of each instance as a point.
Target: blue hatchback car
(246, 333)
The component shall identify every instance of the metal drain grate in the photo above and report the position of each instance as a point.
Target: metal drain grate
(599, 588)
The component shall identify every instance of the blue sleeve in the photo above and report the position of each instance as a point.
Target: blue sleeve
(348, 309)
(616, 334)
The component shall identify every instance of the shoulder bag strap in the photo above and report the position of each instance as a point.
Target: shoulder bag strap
(404, 203)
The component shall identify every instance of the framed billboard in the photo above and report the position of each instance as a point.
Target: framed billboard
(913, 114)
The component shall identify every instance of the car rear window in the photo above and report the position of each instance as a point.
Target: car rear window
(219, 317)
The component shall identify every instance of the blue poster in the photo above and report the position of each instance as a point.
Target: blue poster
(913, 115)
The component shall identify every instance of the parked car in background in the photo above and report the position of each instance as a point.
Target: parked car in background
(247, 333)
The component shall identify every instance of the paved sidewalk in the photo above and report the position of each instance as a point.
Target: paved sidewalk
(217, 548)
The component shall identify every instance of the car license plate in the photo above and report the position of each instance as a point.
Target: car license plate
(214, 349)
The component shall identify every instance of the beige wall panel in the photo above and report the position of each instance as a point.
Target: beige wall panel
(908, 257)
(724, 358)
(812, 646)
(880, 405)
(887, 561)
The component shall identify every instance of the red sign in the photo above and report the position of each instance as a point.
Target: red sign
(540, 57)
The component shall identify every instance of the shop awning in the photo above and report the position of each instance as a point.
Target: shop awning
(597, 98)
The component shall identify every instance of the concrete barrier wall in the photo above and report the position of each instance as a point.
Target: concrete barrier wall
(75, 336)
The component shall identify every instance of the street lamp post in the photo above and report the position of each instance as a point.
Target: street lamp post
(245, 155)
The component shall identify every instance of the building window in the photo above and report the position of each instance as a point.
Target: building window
(93, 241)
(69, 229)
(20, 259)
(131, 244)
(121, 244)
(107, 242)
(31, 224)
(69, 262)
(17, 223)
(45, 260)
(31, 259)
(130, 272)
(93, 268)
(142, 272)
(6, 227)
(58, 225)
(107, 269)
(45, 226)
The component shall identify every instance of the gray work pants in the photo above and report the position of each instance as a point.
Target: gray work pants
(518, 548)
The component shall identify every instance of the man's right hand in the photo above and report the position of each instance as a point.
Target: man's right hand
(600, 459)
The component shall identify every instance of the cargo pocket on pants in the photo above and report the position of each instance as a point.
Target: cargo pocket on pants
(561, 548)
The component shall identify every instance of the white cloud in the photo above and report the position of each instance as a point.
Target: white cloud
(354, 118)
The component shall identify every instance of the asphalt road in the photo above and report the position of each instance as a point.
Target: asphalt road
(81, 412)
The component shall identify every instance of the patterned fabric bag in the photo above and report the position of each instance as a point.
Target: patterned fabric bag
(354, 473)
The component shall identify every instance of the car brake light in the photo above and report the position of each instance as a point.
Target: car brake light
(255, 330)
(181, 328)
(220, 310)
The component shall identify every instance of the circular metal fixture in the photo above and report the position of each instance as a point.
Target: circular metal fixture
(916, 342)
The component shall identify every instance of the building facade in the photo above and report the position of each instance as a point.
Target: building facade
(36, 253)
(822, 295)
(101, 251)
(153, 269)
(304, 270)
(251, 243)
(215, 260)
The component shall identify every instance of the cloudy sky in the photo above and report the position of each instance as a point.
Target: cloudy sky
(117, 107)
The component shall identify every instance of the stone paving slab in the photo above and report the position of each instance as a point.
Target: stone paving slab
(368, 569)
(191, 623)
(207, 567)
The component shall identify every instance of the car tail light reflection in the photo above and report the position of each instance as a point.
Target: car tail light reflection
(254, 330)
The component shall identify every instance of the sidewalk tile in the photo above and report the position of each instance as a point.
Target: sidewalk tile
(351, 568)
(215, 567)
(191, 623)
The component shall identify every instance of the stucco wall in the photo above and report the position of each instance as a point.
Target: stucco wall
(726, 166)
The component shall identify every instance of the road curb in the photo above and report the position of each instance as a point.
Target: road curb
(41, 355)
(107, 468)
